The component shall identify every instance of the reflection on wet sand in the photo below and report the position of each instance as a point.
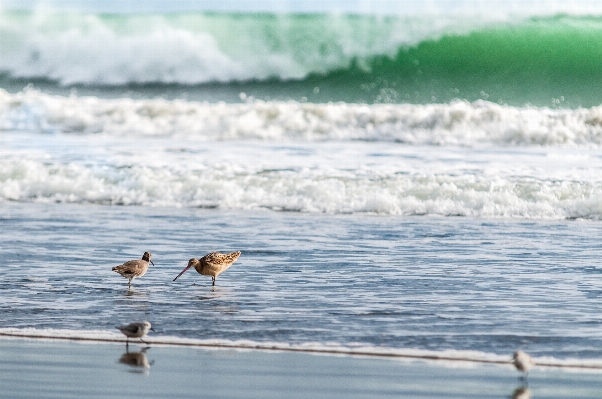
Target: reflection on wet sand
(522, 392)
(137, 360)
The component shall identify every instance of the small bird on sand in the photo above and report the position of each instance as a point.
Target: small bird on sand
(134, 268)
(522, 362)
(212, 264)
(135, 330)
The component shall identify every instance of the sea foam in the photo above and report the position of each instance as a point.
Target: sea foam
(457, 123)
(491, 160)
(302, 189)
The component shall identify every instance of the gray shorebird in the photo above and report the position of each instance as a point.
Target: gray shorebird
(212, 264)
(135, 330)
(134, 268)
(522, 362)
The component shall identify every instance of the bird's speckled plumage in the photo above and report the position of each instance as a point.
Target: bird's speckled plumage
(212, 264)
(134, 268)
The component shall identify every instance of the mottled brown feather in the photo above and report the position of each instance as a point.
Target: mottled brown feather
(134, 268)
(215, 263)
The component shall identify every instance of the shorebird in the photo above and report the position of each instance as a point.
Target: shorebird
(212, 264)
(135, 330)
(522, 362)
(134, 268)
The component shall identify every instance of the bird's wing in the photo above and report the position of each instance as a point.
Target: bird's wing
(216, 258)
(131, 328)
(129, 266)
(133, 263)
(212, 258)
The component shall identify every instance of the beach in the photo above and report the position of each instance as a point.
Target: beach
(48, 369)
(414, 189)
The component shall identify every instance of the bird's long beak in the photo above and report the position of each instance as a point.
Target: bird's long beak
(152, 263)
(152, 329)
(182, 272)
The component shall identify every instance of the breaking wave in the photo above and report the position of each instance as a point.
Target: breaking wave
(457, 123)
(322, 57)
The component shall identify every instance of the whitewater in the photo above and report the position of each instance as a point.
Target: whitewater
(194, 48)
(476, 159)
(514, 56)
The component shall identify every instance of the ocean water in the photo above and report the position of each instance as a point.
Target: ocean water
(431, 283)
(417, 180)
(500, 53)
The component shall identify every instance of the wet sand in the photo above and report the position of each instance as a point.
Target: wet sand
(64, 369)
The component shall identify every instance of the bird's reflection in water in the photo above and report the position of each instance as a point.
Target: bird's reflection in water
(522, 392)
(213, 293)
(137, 361)
(134, 293)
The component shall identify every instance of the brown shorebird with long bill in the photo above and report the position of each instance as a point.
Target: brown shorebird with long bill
(135, 330)
(134, 268)
(212, 264)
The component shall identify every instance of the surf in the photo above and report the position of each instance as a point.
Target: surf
(543, 61)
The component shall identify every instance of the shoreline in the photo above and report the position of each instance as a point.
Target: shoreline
(310, 348)
(70, 369)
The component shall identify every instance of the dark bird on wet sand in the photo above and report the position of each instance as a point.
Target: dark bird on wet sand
(135, 330)
(134, 268)
(212, 264)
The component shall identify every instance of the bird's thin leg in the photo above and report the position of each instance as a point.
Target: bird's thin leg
(127, 342)
(213, 278)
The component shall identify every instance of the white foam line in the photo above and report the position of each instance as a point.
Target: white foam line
(458, 123)
(454, 356)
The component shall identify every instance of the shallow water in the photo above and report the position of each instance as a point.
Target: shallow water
(399, 282)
